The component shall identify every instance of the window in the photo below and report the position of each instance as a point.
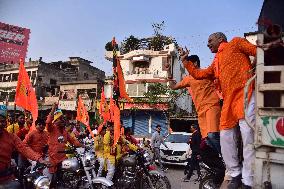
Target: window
(6, 77)
(15, 76)
(86, 76)
(141, 89)
(132, 89)
(12, 96)
(177, 138)
(52, 82)
(33, 75)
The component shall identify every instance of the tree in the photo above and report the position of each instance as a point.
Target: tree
(158, 42)
(108, 46)
(129, 44)
(159, 93)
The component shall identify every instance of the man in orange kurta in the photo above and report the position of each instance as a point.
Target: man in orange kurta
(8, 143)
(206, 101)
(55, 125)
(231, 69)
(37, 139)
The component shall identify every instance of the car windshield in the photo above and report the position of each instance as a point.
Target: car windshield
(177, 138)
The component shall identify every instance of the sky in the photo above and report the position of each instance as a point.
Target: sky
(67, 28)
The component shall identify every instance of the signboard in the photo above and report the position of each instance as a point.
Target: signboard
(13, 43)
(72, 104)
(67, 105)
(50, 100)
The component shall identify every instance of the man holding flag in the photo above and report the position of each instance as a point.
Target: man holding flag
(55, 125)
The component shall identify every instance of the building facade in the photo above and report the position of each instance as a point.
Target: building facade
(54, 81)
(142, 69)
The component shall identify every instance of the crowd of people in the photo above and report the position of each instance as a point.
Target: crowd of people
(21, 146)
(219, 123)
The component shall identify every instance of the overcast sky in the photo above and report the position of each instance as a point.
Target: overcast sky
(64, 28)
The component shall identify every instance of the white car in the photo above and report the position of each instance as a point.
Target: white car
(178, 151)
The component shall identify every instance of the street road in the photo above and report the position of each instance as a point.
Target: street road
(175, 174)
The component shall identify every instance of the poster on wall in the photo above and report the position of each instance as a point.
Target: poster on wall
(13, 43)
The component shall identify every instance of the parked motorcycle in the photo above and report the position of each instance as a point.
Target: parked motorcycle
(135, 171)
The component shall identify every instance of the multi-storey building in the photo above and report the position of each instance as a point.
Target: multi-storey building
(53, 81)
(141, 69)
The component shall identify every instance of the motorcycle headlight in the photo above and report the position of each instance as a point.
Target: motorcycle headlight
(42, 182)
(147, 156)
(90, 159)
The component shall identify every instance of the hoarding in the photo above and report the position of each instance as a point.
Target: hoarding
(13, 43)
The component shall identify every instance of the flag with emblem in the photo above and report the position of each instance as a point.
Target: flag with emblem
(25, 93)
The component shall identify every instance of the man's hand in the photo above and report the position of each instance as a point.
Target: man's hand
(183, 54)
(172, 84)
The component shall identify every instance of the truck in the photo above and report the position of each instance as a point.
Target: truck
(269, 108)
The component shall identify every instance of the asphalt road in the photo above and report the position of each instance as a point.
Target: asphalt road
(176, 175)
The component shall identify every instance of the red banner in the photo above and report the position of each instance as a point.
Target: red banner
(13, 43)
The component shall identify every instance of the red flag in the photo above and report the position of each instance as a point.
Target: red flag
(83, 116)
(25, 93)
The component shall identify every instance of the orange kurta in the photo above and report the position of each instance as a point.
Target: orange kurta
(233, 72)
(205, 98)
(36, 140)
(54, 146)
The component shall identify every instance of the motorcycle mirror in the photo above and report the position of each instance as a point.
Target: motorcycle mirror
(60, 139)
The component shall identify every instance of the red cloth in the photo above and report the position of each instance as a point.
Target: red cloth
(36, 140)
(9, 142)
(54, 146)
(25, 93)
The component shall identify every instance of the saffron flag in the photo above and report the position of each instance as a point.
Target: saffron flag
(111, 109)
(83, 116)
(102, 103)
(119, 90)
(121, 83)
(25, 93)
(116, 129)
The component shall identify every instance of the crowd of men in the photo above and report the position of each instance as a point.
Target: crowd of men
(224, 80)
(20, 145)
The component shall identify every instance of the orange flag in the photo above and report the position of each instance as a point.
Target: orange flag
(25, 93)
(116, 125)
(106, 114)
(100, 127)
(83, 116)
(102, 103)
(122, 90)
(111, 109)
